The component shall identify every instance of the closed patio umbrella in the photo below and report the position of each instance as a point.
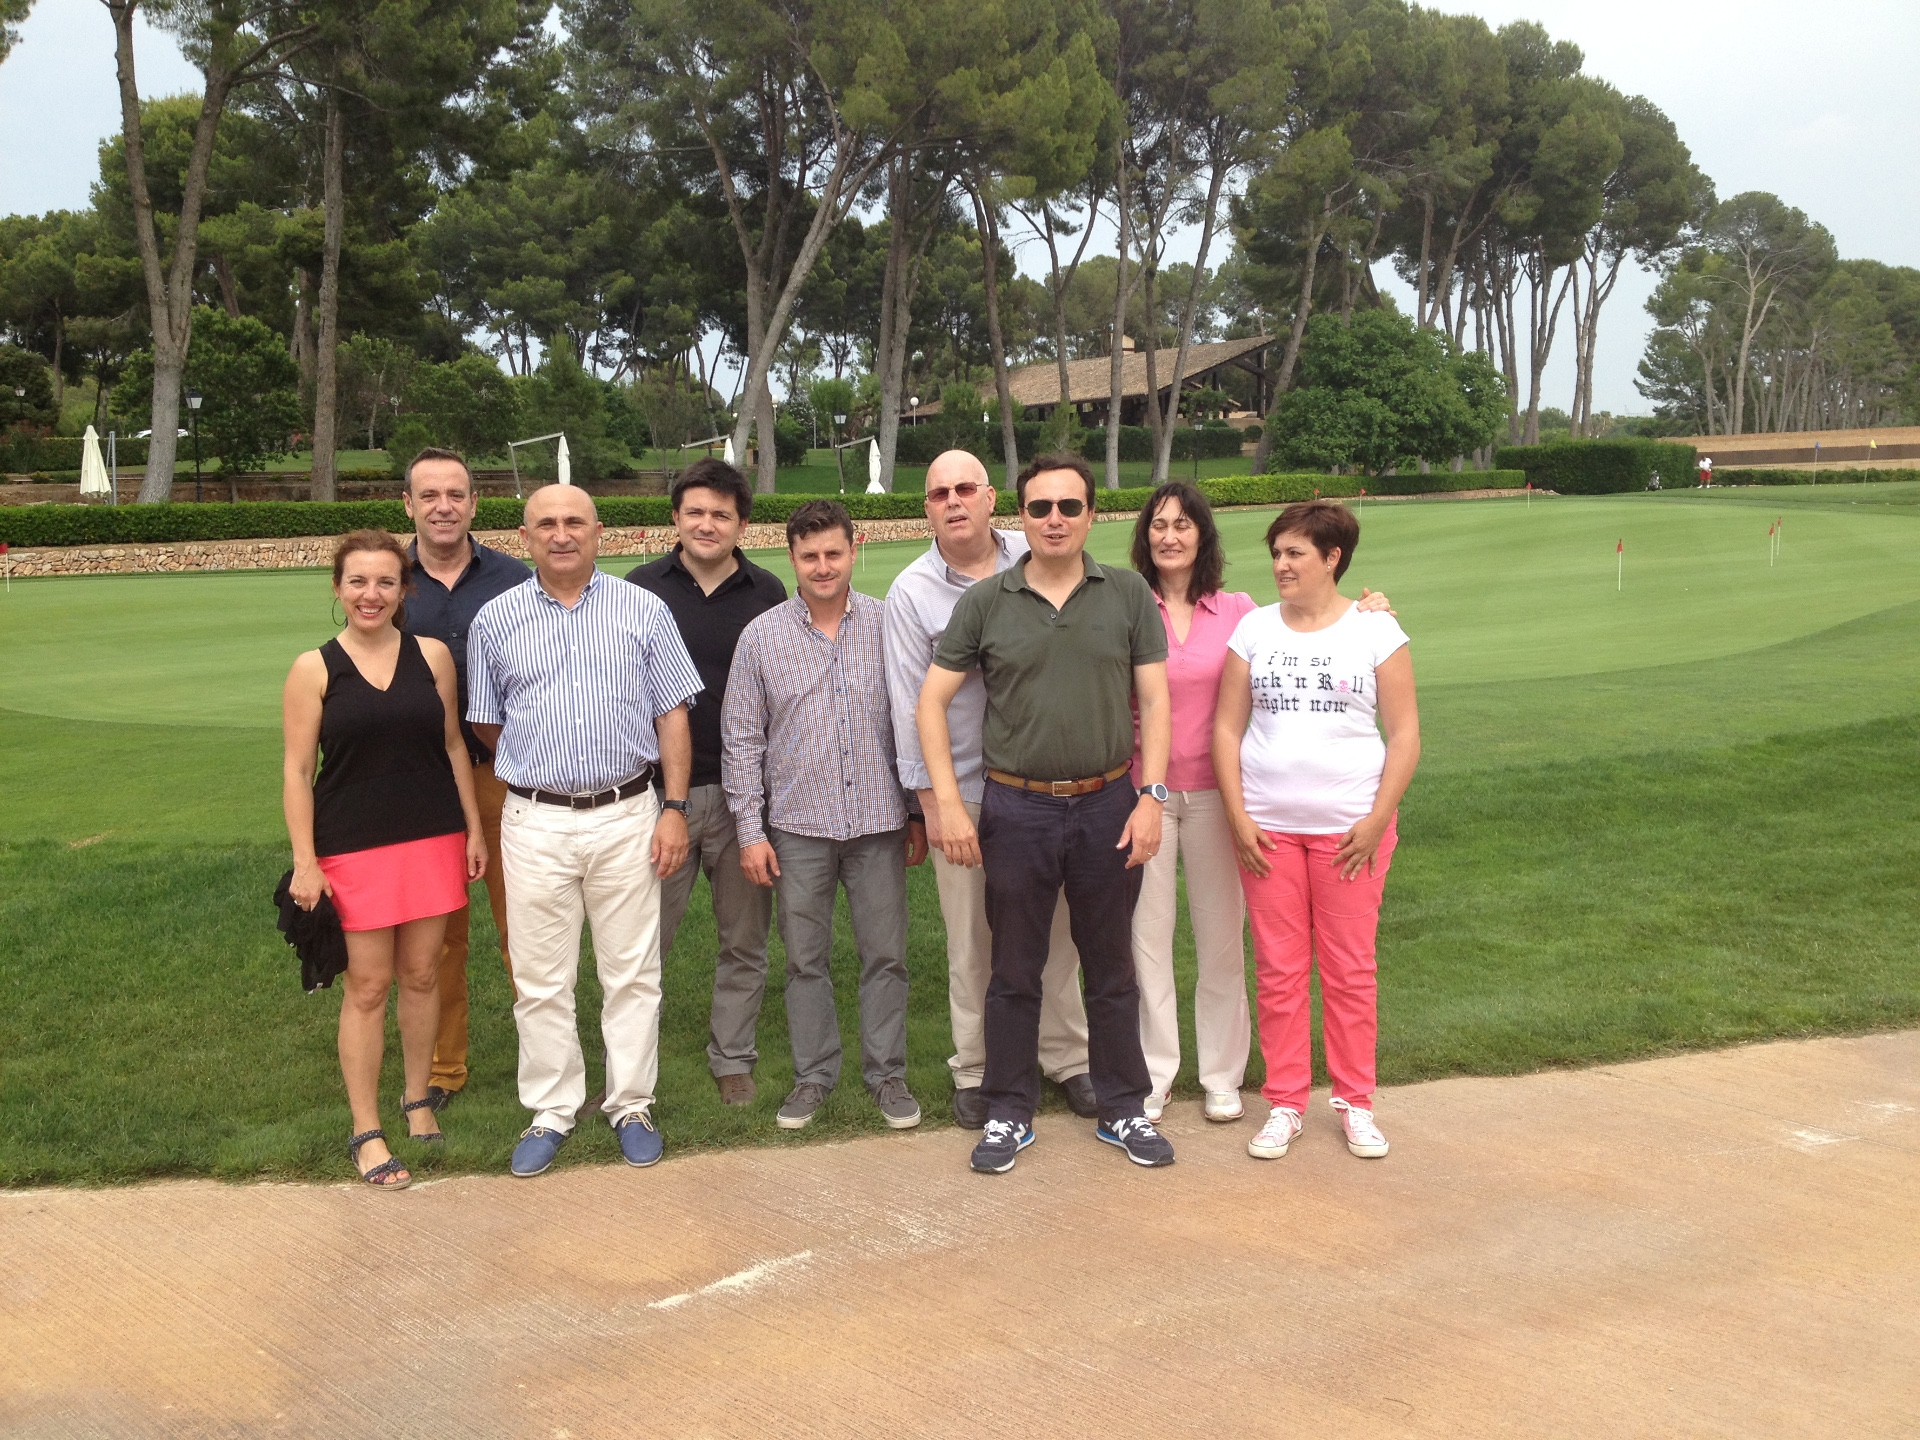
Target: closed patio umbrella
(873, 468)
(566, 463)
(93, 466)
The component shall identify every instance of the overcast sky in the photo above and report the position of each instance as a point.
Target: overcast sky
(1815, 103)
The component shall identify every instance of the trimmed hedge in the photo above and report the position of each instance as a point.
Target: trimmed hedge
(1599, 467)
(920, 444)
(1136, 443)
(23, 454)
(290, 519)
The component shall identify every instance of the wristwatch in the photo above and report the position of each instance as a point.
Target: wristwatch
(1158, 792)
(679, 805)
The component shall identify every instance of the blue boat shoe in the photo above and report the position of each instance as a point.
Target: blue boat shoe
(538, 1145)
(640, 1142)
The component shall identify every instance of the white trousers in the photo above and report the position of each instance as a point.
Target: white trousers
(1063, 1014)
(562, 867)
(1194, 828)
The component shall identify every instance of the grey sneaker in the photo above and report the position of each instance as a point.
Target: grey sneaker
(801, 1103)
(897, 1104)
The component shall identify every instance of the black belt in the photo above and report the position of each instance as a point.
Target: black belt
(625, 790)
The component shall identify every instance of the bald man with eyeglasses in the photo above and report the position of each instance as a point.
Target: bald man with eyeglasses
(966, 550)
(1066, 649)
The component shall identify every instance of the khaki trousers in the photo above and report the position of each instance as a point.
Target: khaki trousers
(1194, 828)
(450, 1041)
(565, 867)
(1063, 1014)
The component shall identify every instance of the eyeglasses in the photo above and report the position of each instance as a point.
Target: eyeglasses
(1040, 509)
(966, 490)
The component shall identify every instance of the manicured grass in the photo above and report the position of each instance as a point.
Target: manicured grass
(1680, 814)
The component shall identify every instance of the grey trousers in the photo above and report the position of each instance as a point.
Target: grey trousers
(742, 911)
(873, 868)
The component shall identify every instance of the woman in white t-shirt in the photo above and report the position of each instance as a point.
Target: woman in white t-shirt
(1311, 792)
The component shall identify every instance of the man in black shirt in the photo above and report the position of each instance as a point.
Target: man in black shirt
(453, 576)
(713, 591)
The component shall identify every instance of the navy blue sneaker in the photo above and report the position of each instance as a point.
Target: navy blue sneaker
(1004, 1140)
(639, 1141)
(1144, 1144)
(538, 1145)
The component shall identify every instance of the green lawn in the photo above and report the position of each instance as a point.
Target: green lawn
(1677, 814)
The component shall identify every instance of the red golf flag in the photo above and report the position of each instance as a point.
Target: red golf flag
(1621, 548)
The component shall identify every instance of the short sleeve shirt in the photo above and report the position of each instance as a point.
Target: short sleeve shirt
(1311, 759)
(1059, 682)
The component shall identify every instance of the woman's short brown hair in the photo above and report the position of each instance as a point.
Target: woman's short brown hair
(376, 542)
(1327, 524)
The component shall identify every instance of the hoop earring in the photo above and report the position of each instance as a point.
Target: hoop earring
(342, 621)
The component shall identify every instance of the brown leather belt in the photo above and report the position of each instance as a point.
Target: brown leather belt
(626, 790)
(1059, 787)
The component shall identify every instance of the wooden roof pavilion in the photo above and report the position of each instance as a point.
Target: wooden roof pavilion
(1037, 387)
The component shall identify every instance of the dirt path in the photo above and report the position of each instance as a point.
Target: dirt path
(1711, 1245)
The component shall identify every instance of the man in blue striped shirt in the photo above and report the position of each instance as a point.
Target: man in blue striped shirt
(580, 685)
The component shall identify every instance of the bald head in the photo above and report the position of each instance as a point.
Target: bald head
(950, 467)
(561, 500)
(561, 529)
(960, 510)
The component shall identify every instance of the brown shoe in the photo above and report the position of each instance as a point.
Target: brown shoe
(735, 1089)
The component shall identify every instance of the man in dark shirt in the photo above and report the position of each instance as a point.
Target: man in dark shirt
(453, 576)
(713, 591)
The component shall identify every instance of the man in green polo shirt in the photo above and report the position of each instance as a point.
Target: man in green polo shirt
(1064, 645)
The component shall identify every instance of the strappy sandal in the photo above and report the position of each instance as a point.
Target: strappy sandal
(407, 1107)
(377, 1176)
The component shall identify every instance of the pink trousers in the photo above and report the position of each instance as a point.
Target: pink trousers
(1302, 911)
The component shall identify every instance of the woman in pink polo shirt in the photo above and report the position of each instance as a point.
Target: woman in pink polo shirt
(1176, 547)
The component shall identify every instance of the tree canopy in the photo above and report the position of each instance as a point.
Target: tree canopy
(661, 220)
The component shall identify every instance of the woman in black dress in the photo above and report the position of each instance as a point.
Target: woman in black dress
(390, 829)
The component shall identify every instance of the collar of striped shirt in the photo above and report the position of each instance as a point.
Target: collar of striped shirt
(593, 583)
(576, 689)
(805, 616)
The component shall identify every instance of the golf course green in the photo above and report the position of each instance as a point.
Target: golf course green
(1668, 798)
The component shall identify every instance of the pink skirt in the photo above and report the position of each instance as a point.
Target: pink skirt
(392, 884)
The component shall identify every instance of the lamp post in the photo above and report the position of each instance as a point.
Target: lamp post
(914, 402)
(193, 423)
(19, 402)
(839, 462)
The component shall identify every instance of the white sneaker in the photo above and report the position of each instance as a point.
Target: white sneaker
(1224, 1105)
(1155, 1104)
(1274, 1137)
(1363, 1136)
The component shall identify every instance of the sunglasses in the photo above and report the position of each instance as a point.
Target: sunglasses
(966, 490)
(1040, 509)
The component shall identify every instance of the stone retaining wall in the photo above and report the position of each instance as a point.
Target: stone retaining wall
(316, 551)
(311, 552)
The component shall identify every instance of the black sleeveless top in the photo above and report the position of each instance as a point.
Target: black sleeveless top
(384, 773)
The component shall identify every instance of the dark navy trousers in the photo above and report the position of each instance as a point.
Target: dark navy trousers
(1033, 846)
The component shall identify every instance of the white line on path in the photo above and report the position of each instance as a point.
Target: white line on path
(746, 1279)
